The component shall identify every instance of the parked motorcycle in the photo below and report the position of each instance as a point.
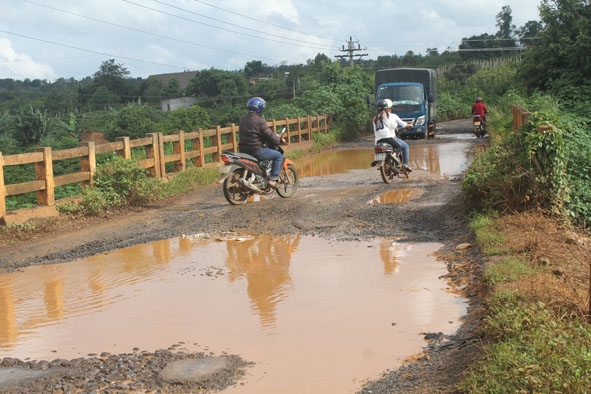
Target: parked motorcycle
(389, 160)
(479, 126)
(244, 175)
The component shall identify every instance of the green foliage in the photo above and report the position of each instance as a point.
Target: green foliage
(325, 140)
(188, 179)
(489, 238)
(507, 269)
(557, 59)
(31, 125)
(536, 352)
(527, 170)
(284, 111)
(579, 168)
(133, 121)
(187, 119)
(120, 182)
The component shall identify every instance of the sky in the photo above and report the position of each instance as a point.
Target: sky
(51, 39)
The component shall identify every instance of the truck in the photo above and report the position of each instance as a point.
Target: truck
(413, 92)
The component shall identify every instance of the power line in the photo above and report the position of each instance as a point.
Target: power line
(88, 50)
(315, 45)
(217, 27)
(261, 21)
(145, 32)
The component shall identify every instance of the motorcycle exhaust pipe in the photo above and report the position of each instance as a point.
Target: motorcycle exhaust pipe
(249, 185)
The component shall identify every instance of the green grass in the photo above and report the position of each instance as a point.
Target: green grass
(530, 347)
(508, 269)
(534, 351)
(488, 236)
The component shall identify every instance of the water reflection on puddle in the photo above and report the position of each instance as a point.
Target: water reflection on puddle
(398, 196)
(314, 315)
(447, 159)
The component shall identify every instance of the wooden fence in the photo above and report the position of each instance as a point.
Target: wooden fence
(201, 147)
(520, 116)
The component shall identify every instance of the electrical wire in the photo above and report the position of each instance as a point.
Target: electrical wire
(314, 45)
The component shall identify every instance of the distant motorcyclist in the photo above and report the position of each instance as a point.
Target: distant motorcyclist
(384, 127)
(479, 109)
(254, 134)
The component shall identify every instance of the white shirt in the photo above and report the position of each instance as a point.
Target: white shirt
(389, 129)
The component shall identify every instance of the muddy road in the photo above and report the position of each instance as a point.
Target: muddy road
(333, 206)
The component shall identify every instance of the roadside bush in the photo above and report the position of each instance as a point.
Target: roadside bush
(120, 182)
(527, 170)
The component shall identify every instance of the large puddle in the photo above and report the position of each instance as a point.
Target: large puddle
(447, 160)
(313, 315)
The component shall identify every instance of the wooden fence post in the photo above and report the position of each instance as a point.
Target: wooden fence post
(178, 148)
(234, 139)
(44, 172)
(2, 189)
(201, 150)
(88, 163)
(217, 142)
(126, 151)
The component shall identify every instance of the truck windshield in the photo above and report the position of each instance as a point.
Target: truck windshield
(402, 96)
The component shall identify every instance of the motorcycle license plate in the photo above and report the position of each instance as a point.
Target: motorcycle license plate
(476, 123)
(225, 169)
(379, 157)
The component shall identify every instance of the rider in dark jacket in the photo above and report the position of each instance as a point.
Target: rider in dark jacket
(254, 134)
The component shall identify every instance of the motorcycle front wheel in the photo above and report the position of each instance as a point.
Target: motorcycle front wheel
(235, 193)
(288, 181)
(387, 170)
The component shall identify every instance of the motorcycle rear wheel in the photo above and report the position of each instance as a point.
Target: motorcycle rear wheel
(387, 170)
(288, 182)
(235, 193)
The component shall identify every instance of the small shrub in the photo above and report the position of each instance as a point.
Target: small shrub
(120, 182)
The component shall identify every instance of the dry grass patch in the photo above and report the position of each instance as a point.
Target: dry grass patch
(560, 258)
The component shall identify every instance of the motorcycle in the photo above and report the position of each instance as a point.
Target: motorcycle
(389, 161)
(479, 126)
(243, 176)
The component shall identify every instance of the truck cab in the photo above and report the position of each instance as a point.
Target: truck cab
(414, 96)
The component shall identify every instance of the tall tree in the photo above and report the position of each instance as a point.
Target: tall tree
(505, 23)
(561, 58)
(112, 77)
(254, 69)
(528, 33)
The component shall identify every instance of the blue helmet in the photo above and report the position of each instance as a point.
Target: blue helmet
(256, 104)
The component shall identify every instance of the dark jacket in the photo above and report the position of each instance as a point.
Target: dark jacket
(253, 132)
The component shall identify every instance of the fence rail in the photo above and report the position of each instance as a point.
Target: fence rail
(199, 147)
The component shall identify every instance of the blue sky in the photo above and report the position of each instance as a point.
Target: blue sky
(50, 39)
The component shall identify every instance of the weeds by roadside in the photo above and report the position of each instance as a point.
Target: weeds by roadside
(537, 334)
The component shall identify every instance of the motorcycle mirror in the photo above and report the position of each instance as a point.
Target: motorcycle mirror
(282, 131)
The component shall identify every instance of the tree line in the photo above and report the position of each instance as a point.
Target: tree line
(550, 54)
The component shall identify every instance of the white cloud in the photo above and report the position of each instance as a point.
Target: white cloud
(70, 38)
(20, 66)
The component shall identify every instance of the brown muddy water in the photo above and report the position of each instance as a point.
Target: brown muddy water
(313, 315)
(447, 160)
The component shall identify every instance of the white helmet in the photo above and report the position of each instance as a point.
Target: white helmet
(389, 102)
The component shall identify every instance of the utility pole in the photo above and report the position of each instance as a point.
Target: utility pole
(351, 49)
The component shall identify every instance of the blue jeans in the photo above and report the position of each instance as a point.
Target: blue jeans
(395, 141)
(271, 154)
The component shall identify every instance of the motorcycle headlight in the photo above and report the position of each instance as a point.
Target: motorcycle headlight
(420, 121)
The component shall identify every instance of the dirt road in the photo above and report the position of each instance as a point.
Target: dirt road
(332, 206)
